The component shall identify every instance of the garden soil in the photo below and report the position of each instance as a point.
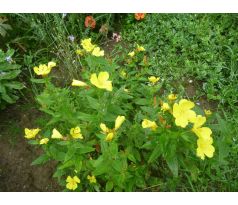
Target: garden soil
(16, 172)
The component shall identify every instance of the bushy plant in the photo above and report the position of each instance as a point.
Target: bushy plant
(9, 85)
(117, 129)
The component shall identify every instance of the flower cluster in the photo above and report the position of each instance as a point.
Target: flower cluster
(75, 133)
(110, 133)
(72, 182)
(101, 81)
(183, 115)
(88, 47)
(136, 50)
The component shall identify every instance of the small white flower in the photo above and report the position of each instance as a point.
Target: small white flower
(71, 38)
(9, 59)
(190, 81)
(198, 103)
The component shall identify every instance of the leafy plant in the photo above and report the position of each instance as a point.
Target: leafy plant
(112, 132)
(9, 85)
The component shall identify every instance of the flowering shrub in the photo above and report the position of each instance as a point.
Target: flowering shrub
(114, 132)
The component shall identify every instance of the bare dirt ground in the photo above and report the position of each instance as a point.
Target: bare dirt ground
(16, 172)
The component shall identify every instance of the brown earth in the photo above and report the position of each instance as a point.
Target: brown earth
(16, 172)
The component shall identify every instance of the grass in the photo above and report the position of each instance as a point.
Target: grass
(201, 47)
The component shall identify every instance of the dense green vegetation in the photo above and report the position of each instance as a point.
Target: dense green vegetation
(195, 56)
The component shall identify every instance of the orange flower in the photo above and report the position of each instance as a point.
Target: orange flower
(90, 22)
(139, 16)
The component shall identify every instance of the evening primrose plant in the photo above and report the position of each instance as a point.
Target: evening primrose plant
(113, 133)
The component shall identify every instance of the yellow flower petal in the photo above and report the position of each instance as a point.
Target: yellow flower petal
(140, 48)
(72, 182)
(51, 64)
(205, 148)
(31, 133)
(56, 134)
(87, 45)
(97, 52)
(101, 81)
(207, 112)
(131, 54)
(165, 107)
(104, 128)
(153, 79)
(92, 179)
(78, 83)
(198, 121)
(109, 137)
(172, 96)
(149, 124)
(182, 112)
(119, 121)
(76, 133)
(44, 141)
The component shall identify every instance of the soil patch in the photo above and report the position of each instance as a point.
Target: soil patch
(16, 172)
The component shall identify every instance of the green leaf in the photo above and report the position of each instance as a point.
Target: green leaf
(40, 160)
(142, 101)
(70, 153)
(7, 98)
(10, 75)
(67, 164)
(85, 150)
(85, 117)
(14, 85)
(35, 80)
(117, 165)
(93, 103)
(155, 154)
(109, 186)
(173, 164)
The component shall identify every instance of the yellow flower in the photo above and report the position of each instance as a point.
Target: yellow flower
(79, 52)
(123, 73)
(51, 64)
(76, 133)
(101, 81)
(140, 48)
(109, 137)
(201, 132)
(207, 112)
(104, 128)
(198, 121)
(149, 124)
(92, 179)
(153, 79)
(205, 148)
(172, 97)
(182, 112)
(165, 106)
(87, 45)
(78, 83)
(56, 134)
(42, 70)
(72, 183)
(31, 133)
(119, 121)
(44, 140)
(131, 54)
(97, 52)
